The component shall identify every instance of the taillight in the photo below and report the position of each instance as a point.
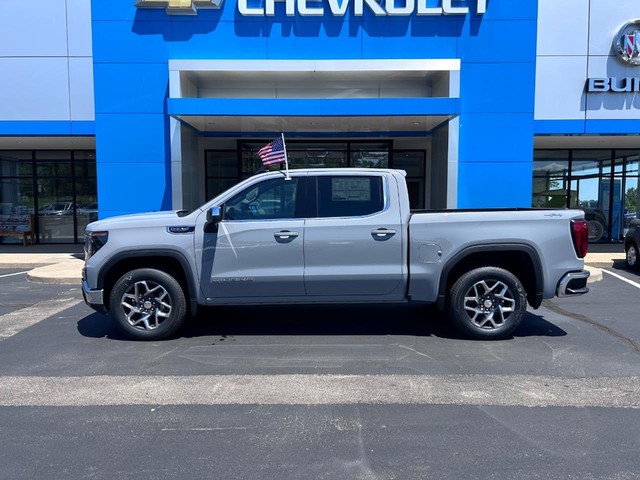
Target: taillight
(580, 236)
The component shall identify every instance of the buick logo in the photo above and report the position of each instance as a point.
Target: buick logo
(627, 43)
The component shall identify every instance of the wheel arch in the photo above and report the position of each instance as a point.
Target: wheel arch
(169, 261)
(520, 259)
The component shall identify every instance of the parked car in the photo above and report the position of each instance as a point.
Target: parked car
(631, 242)
(628, 217)
(58, 208)
(597, 221)
(350, 237)
(90, 211)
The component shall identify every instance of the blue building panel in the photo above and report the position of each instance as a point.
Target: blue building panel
(132, 138)
(46, 128)
(200, 40)
(498, 87)
(613, 127)
(133, 187)
(559, 127)
(305, 40)
(130, 87)
(412, 37)
(494, 184)
(495, 137)
(124, 42)
(498, 41)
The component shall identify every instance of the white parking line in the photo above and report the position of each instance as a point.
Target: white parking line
(12, 274)
(14, 322)
(496, 390)
(620, 277)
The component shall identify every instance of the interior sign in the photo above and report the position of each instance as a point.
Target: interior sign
(627, 47)
(338, 8)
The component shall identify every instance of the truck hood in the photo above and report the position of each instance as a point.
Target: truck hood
(165, 218)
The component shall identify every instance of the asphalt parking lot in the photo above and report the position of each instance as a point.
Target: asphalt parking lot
(360, 391)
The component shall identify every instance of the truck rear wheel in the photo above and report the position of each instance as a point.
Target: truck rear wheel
(148, 304)
(487, 303)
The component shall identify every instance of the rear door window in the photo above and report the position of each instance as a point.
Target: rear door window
(349, 196)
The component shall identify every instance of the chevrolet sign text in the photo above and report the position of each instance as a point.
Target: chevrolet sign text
(339, 8)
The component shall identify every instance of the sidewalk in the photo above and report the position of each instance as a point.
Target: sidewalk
(58, 264)
(62, 264)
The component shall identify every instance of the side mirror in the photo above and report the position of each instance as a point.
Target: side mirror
(214, 215)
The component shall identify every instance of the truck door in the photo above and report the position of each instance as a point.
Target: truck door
(258, 248)
(354, 245)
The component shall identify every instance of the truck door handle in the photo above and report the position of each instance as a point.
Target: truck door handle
(382, 232)
(285, 235)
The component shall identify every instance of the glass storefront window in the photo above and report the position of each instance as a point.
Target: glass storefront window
(318, 154)
(221, 171)
(86, 203)
(16, 164)
(84, 164)
(591, 180)
(413, 162)
(550, 179)
(223, 162)
(16, 196)
(631, 188)
(57, 186)
(317, 158)
(56, 210)
(603, 183)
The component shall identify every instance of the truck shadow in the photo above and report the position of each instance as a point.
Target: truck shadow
(322, 320)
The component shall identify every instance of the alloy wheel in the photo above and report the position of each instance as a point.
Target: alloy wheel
(146, 305)
(488, 304)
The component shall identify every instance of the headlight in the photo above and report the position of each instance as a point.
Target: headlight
(94, 241)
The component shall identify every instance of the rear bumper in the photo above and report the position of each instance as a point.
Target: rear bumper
(573, 283)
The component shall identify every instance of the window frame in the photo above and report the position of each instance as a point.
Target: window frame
(314, 195)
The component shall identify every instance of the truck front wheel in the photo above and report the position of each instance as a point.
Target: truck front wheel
(148, 304)
(487, 303)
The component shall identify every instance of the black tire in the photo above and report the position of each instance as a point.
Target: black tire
(596, 230)
(148, 304)
(631, 255)
(487, 303)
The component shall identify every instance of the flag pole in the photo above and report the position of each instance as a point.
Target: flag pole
(286, 162)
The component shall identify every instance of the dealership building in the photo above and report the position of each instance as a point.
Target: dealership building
(124, 106)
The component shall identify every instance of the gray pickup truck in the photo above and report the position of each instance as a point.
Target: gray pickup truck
(331, 236)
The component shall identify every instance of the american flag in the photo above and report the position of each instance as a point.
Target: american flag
(273, 152)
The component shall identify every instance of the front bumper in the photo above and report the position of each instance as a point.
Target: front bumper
(93, 298)
(573, 283)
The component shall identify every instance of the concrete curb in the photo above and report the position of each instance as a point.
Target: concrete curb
(596, 273)
(68, 272)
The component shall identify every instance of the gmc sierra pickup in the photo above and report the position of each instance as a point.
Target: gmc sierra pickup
(331, 235)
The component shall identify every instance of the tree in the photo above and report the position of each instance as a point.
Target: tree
(631, 199)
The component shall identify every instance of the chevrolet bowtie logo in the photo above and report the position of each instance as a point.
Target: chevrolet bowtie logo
(179, 7)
